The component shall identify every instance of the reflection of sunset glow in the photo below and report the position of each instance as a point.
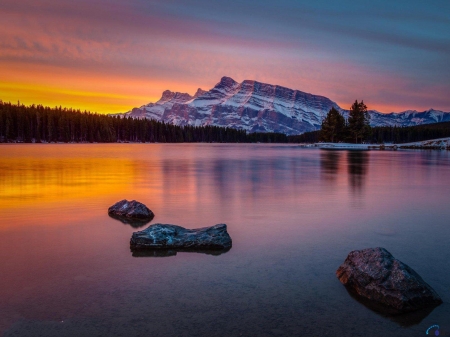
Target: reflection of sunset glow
(60, 181)
(182, 183)
(293, 214)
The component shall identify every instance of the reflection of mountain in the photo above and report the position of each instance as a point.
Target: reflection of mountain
(232, 178)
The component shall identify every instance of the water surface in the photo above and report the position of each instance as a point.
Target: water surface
(293, 214)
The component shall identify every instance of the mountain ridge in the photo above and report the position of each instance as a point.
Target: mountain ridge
(260, 107)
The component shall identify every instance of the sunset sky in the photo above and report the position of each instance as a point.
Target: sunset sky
(112, 55)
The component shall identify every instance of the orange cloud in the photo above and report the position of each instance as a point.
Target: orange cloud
(111, 57)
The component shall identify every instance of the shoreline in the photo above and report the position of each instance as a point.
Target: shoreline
(432, 144)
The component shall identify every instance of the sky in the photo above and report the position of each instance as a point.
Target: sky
(109, 56)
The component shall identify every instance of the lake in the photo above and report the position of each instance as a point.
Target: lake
(293, 214)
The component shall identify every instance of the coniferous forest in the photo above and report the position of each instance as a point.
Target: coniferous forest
(390, 134)
(335, 129)
(36, 123)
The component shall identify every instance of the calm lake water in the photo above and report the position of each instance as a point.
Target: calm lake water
(293, 214)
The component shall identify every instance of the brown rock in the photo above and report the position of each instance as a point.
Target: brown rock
(374, 274)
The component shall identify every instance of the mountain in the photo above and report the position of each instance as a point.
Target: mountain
(408, 118)
(258, 107)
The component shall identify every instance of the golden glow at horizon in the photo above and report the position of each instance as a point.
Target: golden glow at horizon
(103, 102)
(69, 88)
(103, 93)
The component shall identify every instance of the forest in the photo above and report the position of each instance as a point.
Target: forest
(389, 134)
(38, 124)
(356, 128)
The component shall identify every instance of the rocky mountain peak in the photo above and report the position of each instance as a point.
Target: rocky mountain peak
(199, 92)
(260, 107)
(227, 82)
(168, 95)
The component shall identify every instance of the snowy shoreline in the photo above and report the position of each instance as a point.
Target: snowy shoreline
(432, 144)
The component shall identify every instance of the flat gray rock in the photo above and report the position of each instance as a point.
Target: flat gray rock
(164, 236)
(130, 209)
(375, 275)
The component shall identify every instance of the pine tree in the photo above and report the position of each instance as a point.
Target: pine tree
(333, 127)
(358, 121)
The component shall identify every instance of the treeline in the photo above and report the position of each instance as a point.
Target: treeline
(36, 123)
(395, 134)
(307, 137)
(390, 134)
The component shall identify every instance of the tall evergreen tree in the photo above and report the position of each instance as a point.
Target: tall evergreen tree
(333, 127)
(358, 121)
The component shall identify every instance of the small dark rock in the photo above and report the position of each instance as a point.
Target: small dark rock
(375, 275)
(164, 236)
(130, 209)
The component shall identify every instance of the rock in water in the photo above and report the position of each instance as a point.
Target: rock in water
(162, 236)
(130, 209)
(377, 276)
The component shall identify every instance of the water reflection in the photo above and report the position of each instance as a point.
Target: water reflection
(177, 178)
(433, 157)
(135, 223)
(288, 222)
(173, 252)
(29, 184)
(224, 173)
(357, 169)
(329, 164)
(405, 319)
(226, 179)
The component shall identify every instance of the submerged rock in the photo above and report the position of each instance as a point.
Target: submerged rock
(164, 236)
(375, 275)
(130, 209)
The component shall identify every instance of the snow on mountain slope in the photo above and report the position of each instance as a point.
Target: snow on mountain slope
(408, 118)
(258, 107)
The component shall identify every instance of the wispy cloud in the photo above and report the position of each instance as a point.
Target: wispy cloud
(394, 55)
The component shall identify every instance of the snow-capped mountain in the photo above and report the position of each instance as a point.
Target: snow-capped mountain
(408, 118)
(260, 107)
